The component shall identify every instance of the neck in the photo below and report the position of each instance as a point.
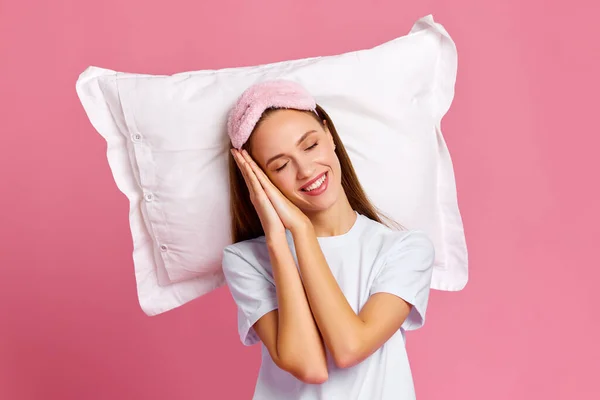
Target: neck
(336, 220)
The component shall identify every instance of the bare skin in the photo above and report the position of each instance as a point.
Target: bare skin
(311, 302)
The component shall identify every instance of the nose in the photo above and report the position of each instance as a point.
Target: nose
(306, 169)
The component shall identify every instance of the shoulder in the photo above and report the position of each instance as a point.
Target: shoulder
(249, 253)
(413, 238)
(246, 246)
(389, 240)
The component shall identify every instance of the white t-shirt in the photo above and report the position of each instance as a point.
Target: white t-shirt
(369, 258)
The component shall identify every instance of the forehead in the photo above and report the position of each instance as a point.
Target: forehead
(280, 131)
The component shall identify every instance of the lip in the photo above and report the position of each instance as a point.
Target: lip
(321, 189)
(307, 184)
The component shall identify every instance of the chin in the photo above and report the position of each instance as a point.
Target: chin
(320, 203)
(317, 208)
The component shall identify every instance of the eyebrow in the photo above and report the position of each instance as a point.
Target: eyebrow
(304, 136)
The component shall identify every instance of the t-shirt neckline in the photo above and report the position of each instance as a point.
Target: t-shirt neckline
(338, 240)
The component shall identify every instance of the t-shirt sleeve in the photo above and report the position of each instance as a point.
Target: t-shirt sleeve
(406, 273)
(253, 292)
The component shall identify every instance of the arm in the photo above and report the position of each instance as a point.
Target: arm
(350, 337)
(290, 333)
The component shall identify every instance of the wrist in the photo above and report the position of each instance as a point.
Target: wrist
(276, 240)
(303, 226)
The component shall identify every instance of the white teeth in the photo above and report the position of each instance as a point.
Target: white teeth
(317, 184)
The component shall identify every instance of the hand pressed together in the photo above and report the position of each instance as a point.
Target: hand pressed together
(276, 212)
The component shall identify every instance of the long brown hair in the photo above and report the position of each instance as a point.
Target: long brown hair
(245, 223)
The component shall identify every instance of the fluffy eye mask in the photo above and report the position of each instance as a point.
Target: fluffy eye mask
(256, 99)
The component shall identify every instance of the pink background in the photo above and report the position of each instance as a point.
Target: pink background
(522, 131)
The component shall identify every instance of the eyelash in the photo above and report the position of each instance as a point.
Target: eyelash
(309, 148)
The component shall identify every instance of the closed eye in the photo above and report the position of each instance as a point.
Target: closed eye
(282, 167)
(308, 148)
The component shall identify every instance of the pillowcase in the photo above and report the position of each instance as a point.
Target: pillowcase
(167, 147)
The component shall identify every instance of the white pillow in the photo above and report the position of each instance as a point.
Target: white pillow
(168, 149)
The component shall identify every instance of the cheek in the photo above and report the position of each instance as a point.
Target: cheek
(284, 181)
(337, 170)
(326, 156)
(332, 160)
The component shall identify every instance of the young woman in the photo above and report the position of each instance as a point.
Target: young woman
(326, 287)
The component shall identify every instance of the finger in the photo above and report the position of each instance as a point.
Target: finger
(237, 156)
(242, 168)
(264, 180)
(260, 174)
(248, 158)
(252, 179)
(254, 188)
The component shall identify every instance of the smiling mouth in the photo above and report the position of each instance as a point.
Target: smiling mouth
(315, 185)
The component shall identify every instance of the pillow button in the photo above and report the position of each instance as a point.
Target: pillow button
(163, 247)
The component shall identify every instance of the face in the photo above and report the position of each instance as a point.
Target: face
(298, 155)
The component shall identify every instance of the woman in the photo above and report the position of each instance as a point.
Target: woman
(326, 287)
